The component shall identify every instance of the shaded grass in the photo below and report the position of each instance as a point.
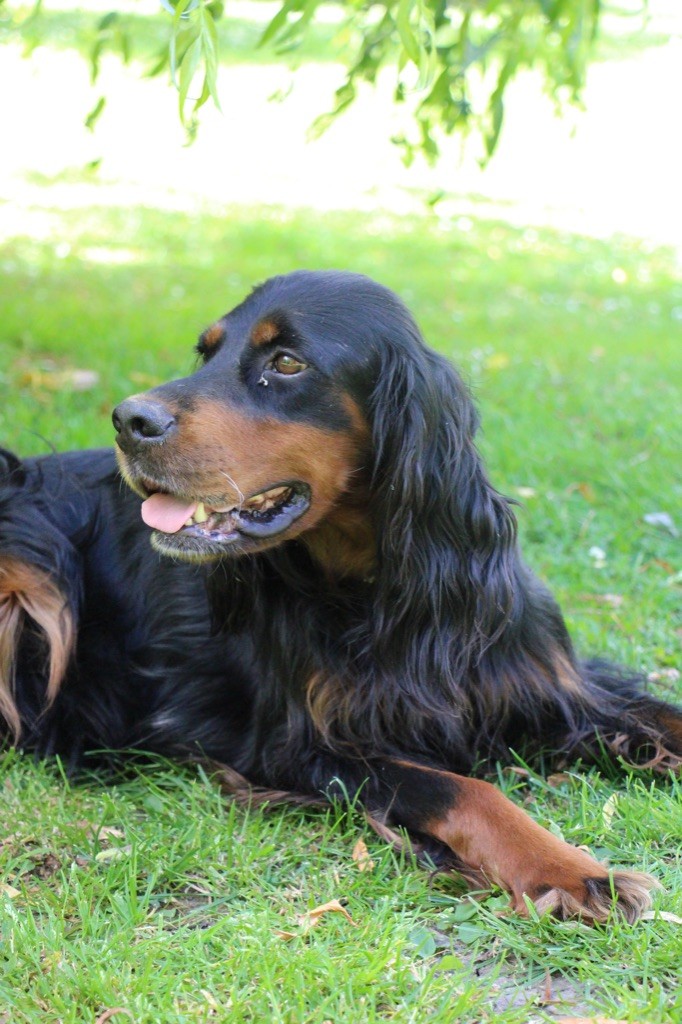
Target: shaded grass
(577, 375)
(155, 895)
(572, 348)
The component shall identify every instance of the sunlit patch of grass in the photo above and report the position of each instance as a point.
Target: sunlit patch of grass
(571, 346)
(154, 894)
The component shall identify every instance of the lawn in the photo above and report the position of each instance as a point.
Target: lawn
(154, 895)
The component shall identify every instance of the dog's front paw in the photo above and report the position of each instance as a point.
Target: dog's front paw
(593, 898)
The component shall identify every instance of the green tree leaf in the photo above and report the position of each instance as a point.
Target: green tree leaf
(450, 43)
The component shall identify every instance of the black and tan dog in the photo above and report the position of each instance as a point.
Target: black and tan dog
(332, 597)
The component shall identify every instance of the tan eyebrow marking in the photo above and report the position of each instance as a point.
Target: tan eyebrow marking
(212, 336)
(264, 332)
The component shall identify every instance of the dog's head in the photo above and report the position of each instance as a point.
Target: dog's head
(318, 412)
(269, 437)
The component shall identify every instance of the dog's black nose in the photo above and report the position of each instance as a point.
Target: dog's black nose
(141, 421)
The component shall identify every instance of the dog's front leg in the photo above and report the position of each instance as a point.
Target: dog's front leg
(496, 842)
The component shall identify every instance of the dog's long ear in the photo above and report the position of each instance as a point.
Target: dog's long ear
(447, 540)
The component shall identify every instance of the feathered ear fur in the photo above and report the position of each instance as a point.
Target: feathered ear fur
(458, 617)
(464, 629)
(447, 538)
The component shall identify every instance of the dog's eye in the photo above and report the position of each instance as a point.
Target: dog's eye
(287, 365)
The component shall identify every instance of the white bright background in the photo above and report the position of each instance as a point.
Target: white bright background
(615, 168)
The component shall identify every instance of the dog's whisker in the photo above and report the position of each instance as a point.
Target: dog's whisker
(241, 498)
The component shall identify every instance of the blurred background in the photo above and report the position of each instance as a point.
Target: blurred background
(550, 274)
(612, 167)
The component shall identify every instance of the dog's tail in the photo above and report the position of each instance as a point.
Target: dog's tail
(38, 601)
(634, 726)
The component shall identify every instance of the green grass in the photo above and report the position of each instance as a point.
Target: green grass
(572, 348)
(158, 896)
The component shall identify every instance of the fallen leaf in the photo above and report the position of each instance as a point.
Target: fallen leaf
(558, 779)
(615, 600)
(666, 566)
(8, 890)
(593, 1020)
(115, 853)
(108, 1014)
(661, 915)
(108, 830)
(669, 675)
(664, 520)
(60, 380)
(547, 995)
(609, 809)
(361, 856)
(80, 380)
(212, 1001)
(314, 916)
(586, 490)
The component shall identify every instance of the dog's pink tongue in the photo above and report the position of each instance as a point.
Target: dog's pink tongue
(166, 513)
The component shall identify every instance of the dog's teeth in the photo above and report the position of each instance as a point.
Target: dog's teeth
(266, 500)
(200, 513)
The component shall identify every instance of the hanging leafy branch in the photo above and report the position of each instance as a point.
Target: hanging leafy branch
(451, 61)
(193, 56)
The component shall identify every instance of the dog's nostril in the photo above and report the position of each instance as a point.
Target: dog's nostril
(137, 420)
(150, 426)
